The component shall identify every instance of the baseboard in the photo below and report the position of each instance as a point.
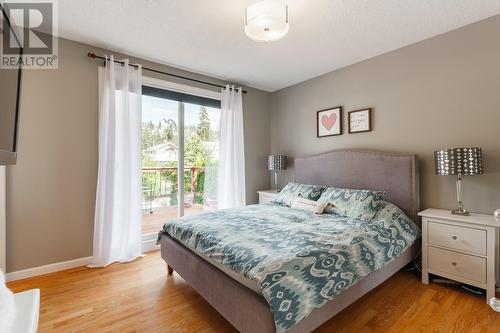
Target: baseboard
(149, 245)
(50, 268)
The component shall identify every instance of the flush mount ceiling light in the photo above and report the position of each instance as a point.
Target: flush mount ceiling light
(267, 20)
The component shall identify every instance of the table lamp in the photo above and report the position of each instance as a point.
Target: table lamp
(459, 162)
(276, 163)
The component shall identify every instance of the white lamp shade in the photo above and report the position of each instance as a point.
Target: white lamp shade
(267, 20)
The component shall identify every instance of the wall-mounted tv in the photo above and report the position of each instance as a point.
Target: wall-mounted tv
(10, 86)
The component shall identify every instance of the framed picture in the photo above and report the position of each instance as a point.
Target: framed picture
(360, 121)
(329, 122)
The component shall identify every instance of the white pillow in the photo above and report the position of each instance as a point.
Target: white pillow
(7, 306)
(309, 205)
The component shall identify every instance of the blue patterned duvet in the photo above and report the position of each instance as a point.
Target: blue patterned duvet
(300, 260)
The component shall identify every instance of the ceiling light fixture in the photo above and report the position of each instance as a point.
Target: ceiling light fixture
(266, 20)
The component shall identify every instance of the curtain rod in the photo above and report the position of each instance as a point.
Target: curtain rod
(94, 56)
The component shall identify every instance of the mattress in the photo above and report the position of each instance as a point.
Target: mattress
(248, 311)
(298, 260)
(250, 284)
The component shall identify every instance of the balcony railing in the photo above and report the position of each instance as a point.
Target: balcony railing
(160, 190)
(161, 182)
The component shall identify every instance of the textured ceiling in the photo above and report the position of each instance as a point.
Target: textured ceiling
(207, 36)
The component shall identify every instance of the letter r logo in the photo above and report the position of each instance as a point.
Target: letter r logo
(31, 27)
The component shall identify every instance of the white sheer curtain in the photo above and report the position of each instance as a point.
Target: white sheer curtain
(231, 175)
(117, 229)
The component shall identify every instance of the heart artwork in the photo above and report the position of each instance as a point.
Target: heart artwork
(329, 121)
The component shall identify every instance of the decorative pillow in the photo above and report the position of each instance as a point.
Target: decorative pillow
(391, 215)
(358, 204)
(388, 212)
(309, 205)
(292, 190)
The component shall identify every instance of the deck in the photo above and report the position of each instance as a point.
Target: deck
(152, 223)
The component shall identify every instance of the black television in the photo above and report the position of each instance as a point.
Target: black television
(10, 89)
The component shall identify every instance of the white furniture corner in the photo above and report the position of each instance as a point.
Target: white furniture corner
(461, 248)
(267, 196)
(28, 308)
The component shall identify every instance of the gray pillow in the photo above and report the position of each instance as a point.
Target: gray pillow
(292, 190)
(358, 204)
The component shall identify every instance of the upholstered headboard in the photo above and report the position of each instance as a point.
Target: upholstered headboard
(397, 174)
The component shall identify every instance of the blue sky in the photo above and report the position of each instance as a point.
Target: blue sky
(155, 109)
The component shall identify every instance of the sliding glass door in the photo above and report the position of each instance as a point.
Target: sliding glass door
(180, 144)
(160, 159)
(201, 138)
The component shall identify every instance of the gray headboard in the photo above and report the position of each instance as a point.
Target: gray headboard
(397, 174)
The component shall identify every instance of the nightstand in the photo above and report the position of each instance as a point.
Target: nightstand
(267, 196)
(461, 248)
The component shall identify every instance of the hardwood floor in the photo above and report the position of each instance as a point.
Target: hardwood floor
(139, 297)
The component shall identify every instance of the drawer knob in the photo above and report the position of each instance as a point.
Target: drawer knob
(454, 264)
(454, 237)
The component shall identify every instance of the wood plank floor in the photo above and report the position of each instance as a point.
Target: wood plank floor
(139, 297)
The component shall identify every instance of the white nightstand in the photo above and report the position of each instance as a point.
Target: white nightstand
(267, 196)
(461, 248)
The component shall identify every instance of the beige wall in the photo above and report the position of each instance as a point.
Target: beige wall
(443, 92)
(51, 190)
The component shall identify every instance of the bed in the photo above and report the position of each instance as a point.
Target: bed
(232, 291)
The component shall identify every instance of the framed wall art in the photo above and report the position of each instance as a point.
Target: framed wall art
(329, 122)
(359, 121)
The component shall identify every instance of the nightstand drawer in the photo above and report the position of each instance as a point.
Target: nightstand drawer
(458, 264)
(458, 238)
(266, 198)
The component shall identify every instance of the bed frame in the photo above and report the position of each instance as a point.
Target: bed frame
(247, 311)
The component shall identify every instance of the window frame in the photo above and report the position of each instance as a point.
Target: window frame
(148, 240)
